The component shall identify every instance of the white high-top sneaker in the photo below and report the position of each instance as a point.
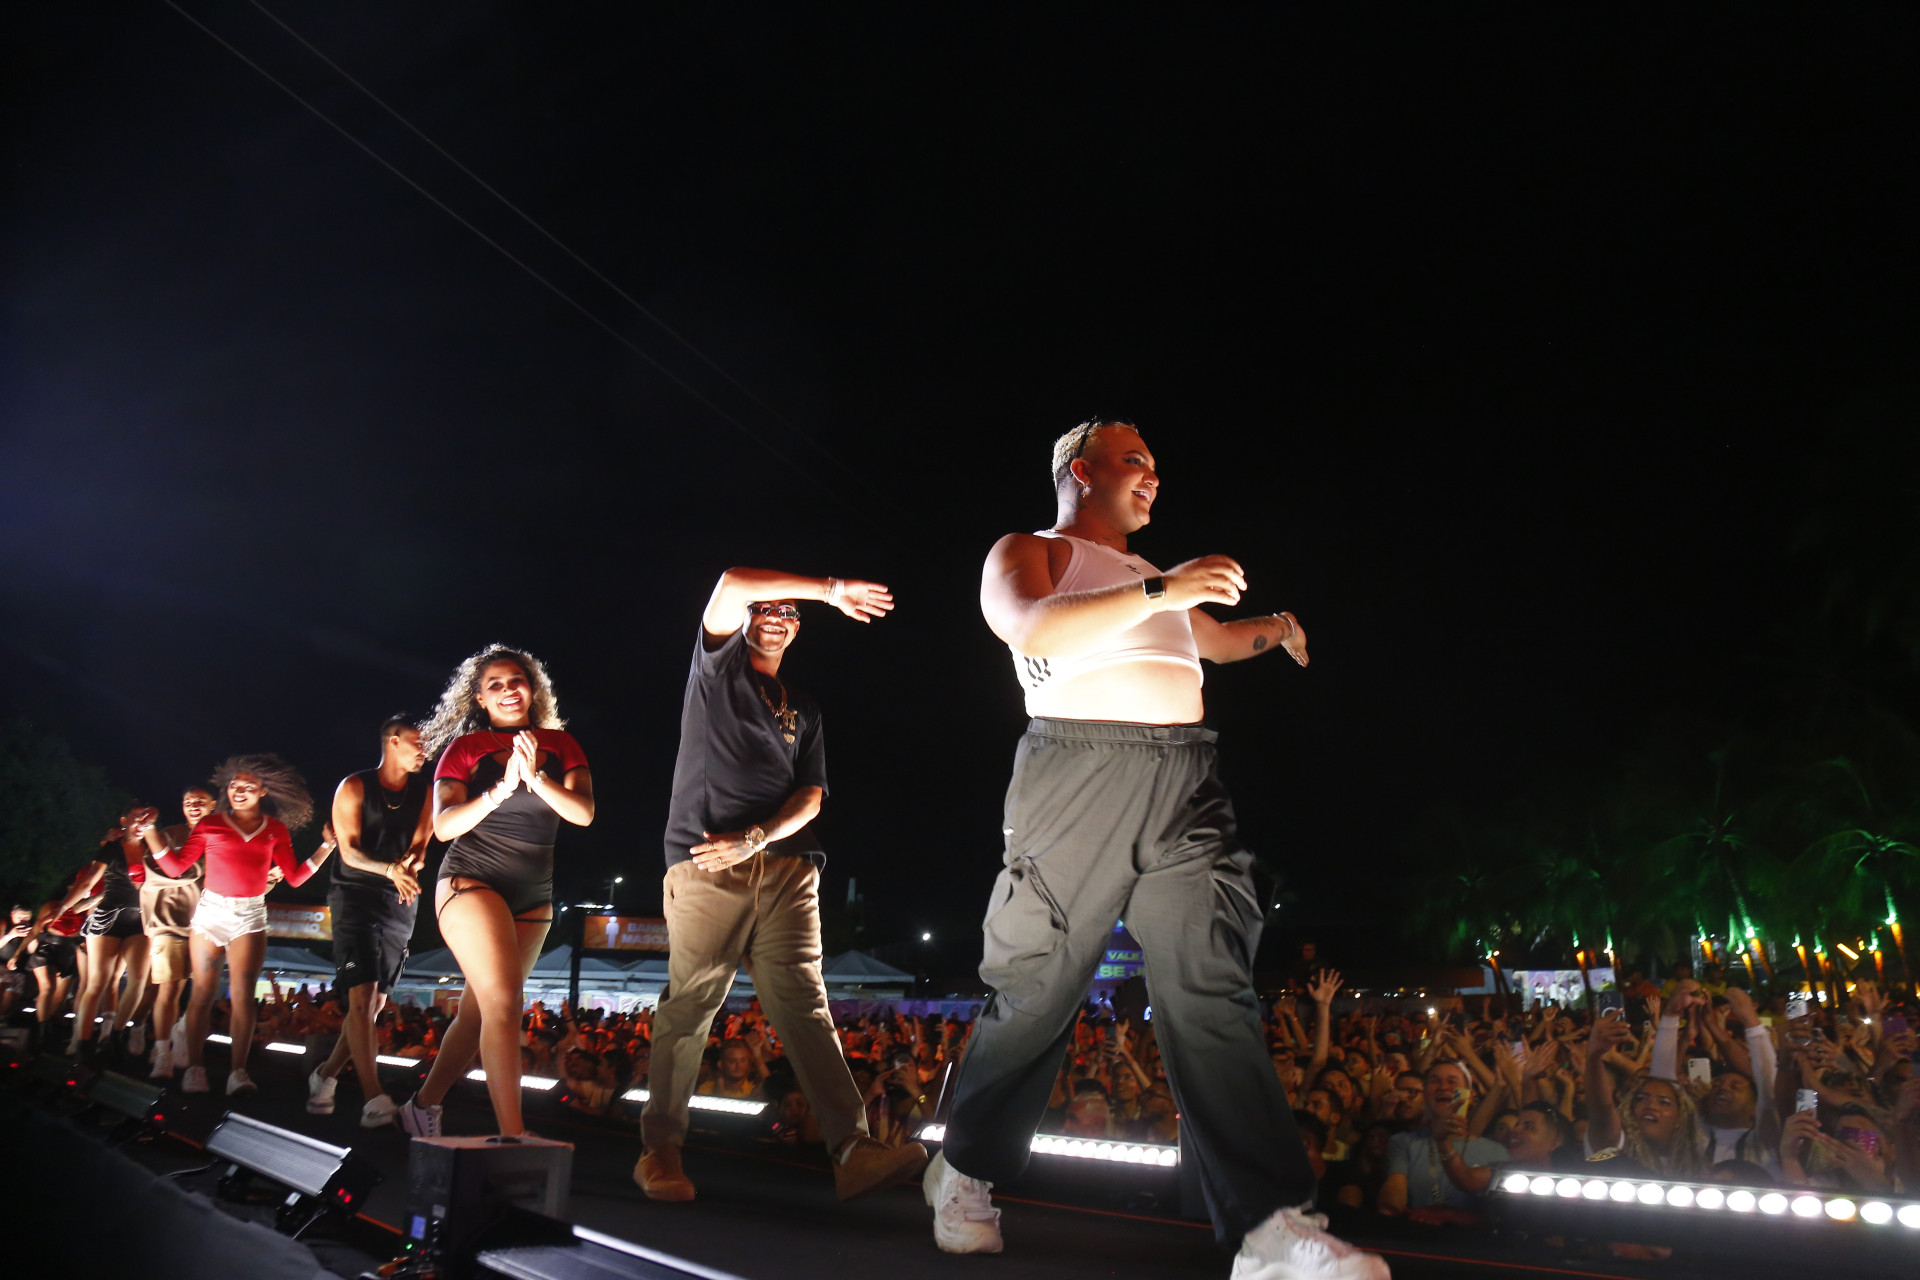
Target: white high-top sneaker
(137, 1039)
(178, 1039)
(162, 1061)
(964, 1219)
(1294, 1245)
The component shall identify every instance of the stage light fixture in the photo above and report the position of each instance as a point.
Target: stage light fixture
(136, 1102)
(1910, 1216)
(1806, 1206)
(1680, 1197)
(1878, 1212)
(1595, 1189)
(1567, 1187)
(1541, 1186)
(1841, 1209)
(1773, 1203)
(388, 1060)
(1652, 1193)
(323, 1179)
(1710, 1198)
(1621, 1192)
(706, 1102)
(541, 1083)
(1514, 1183)
(1047, 1144)
(1741, 1200)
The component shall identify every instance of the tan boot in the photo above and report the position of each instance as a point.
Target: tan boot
(660, 1175)
(865, 1165)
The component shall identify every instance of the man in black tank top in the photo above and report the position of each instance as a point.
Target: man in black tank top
(382, 821)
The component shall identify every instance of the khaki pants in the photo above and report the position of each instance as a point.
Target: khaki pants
(166, 912)
(764, 912)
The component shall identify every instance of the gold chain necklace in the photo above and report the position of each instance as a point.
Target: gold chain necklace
(787, 719)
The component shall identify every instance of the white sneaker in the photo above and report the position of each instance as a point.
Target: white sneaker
(239, 1082)
(1294, 1245)
(137, 1039)
(195, 1081)
(379, 1112)
(177, 1038)
(964, 1219)
(74, 1043)
(421, 1122)
(320, 1093)
(162, 1061)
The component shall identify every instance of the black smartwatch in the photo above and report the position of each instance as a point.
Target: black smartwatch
(1155, 587)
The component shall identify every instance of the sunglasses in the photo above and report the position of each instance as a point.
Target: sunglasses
(784, 612)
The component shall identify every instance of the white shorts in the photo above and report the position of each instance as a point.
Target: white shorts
(223, 919)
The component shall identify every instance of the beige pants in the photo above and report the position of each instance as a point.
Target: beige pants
(764, 912)
(166, 911)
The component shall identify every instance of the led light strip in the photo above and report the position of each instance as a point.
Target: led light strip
(706, 1102)
(278, 1046)
(388, 1060)
(542, 1083)
(1047, 1144)
(1713, 1198)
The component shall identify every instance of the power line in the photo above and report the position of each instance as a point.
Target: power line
(528, 218)
(504, 252)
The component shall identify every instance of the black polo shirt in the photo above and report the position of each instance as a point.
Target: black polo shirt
(736, 768)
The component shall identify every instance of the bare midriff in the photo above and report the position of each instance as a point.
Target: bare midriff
(1134, 692)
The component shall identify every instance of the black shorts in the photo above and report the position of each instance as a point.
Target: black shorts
(114, 922)
(523, 897)
(58, 956)
(371, 930)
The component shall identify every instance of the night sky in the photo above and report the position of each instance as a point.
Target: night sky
(1495, 347)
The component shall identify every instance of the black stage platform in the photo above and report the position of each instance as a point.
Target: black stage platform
(764, 1211)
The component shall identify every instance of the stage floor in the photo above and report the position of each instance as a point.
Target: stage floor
(767, 1211)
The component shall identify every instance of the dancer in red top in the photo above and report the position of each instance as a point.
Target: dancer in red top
(241, 843)
(508, 775)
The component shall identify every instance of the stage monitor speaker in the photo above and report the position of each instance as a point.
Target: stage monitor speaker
(591, 1254)
(458, 1187)
(57, 1073)
(138, 1103)
(322, 1178)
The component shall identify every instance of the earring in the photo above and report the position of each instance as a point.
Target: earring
(1086, 491)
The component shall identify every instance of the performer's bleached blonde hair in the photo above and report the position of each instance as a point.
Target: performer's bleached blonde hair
(1073, 444)
(458, 713)
(287, 797)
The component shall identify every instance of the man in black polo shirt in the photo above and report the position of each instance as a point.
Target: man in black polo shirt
(743, 875)
(382, 820)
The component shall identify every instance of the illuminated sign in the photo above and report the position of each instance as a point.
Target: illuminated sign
(309, 924)
(626, 933)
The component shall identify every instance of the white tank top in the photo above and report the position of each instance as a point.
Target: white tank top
(1163, 637)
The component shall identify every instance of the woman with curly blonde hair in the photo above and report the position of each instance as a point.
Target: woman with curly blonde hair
(508, 774)
(263, 801)
(1651, 1121)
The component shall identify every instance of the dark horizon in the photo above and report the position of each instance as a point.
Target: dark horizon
(1504, 354)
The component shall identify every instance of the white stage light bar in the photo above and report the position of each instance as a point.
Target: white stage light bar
(541, 1083)
(706, 1102)
(1047, 1144)
(213, 1037)
(388, 1060)
(1678, 1195)
(281, 1046)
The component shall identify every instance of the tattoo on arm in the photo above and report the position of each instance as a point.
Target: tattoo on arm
(1259, 643)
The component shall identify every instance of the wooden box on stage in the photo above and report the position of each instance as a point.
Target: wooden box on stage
(457, 1187)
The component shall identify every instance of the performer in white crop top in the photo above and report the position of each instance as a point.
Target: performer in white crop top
(1117, 809)
(1090, 641)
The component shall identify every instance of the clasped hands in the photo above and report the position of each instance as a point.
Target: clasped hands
(523, 765)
